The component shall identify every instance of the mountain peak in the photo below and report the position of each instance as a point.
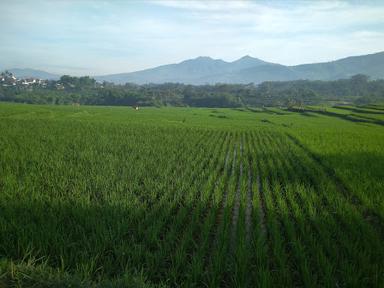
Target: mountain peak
(203, 58)
(246, 57)
(199, 59)
(247, 69)
(247, 62)
(203, 62)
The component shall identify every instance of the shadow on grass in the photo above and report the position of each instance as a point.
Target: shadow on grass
(69, 245)
(254, 110)
(344, 165)
(239, 109)
(357, 110)
(375, 107)
(220, 116)
(266, 110)
(304, 113)
(342, 116)
(103, 245)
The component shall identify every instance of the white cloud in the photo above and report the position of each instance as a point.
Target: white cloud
(285, 32)
(302, 17)
(206, 5)
(118, 36)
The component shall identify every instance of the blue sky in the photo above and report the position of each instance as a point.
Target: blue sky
(104, 37)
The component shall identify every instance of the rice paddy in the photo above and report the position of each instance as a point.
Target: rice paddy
(189, 197)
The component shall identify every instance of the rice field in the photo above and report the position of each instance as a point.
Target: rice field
(189, 197)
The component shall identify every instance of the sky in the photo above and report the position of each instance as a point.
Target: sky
(105, 37)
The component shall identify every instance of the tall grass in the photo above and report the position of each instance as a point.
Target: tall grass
(111, 197)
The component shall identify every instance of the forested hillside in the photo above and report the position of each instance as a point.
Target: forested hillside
(84, 90)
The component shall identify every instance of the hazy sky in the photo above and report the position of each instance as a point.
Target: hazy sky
(101, 37)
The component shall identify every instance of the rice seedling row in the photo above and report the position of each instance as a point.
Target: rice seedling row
(144, 199)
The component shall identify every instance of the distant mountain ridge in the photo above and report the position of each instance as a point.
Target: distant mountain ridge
(205, 70)
(200, 70)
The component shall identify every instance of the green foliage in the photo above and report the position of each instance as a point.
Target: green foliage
(171, 197)
(84, 90)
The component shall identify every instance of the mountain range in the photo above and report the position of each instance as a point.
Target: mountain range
(205, 70)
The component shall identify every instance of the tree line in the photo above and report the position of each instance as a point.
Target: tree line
(85, 90)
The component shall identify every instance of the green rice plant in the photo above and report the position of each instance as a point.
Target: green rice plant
(170, 197)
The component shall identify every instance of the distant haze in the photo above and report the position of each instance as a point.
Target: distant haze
(108, 37)
(205, 70)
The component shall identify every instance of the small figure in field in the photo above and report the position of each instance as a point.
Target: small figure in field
(136, 107)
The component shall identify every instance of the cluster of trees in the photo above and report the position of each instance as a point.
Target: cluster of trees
(357, 89)
(85, 90)
(76, 82)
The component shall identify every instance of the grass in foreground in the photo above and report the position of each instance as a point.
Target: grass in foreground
(112, 197)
